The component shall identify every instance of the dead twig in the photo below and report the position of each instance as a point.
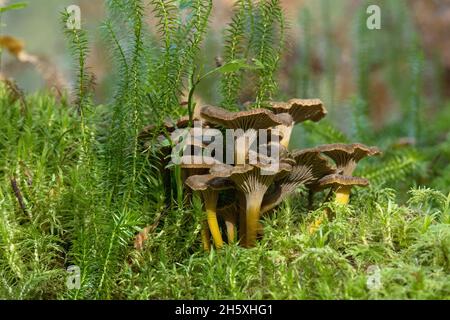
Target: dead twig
(19, 196)
(142, 236)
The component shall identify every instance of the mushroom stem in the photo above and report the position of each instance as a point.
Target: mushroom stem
(286, 132)
(230, 223)
(343, 194)
(243, 145)
(240, 149)
(252, 217)
(211, 216)
(205, 234)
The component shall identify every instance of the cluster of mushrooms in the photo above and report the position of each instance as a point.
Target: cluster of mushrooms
(235, 197)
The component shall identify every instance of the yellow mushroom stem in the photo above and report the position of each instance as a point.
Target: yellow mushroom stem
(286, 132)
(242, 146)
(211, 216)
(205, 234)
(260, 231)
(230, 223)
(343, 194)
(252, 219)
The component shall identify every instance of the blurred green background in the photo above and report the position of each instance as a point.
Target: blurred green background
(329, 53)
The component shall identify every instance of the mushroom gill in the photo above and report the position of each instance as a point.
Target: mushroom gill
(249, 122)
(308, 166)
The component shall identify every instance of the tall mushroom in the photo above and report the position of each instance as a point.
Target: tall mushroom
(248, 121)
(300, 110)
(346, 157)
(209, 186)
(253, 181)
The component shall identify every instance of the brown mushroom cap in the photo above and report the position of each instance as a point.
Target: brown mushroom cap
(198, 162)
(225, 171)
(301, 109)
(207, 181)
(270, 153)
(346, 156)
(338, 180)
(196, 165)
(285, 118)
(251, 178)
(251, 119)
(183, 122)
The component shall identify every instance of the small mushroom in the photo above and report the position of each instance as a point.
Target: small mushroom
(300, 110)
(209, 186)
(342, 184)
(308, 166)
(346, 157)
(253, 181)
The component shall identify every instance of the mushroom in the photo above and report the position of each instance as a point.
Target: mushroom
(300, 110)
(346, 157)
(342, 184)
(249, 121)
(253, 181)
(308, 166)
(209, 186)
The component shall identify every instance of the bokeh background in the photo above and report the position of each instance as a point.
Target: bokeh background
(329, 53)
